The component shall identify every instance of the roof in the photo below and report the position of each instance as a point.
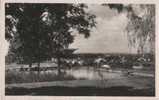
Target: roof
(70, 51)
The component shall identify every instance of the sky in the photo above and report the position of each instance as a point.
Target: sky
(109, 36)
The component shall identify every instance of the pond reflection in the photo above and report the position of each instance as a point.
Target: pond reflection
(92, 74)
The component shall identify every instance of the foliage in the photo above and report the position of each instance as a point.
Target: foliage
(43, 30)
(141, 28)
(141, 25)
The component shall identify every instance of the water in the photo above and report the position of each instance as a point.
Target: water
(92, 74)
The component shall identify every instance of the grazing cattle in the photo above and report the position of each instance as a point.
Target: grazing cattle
(69, 63)
(80, 63)
(141, 59)
(35, 69)
(98, 62)
(138, 67)
(73, 62)
(107, 67)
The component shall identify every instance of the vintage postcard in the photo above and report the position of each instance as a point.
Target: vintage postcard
(79, 49)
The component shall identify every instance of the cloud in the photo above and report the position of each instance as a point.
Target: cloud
(102, 11)
(108, 36)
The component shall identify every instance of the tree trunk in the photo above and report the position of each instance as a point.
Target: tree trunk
(30, 65)
(38, 66)
(140, 49)
(38, 69)
(59, 65)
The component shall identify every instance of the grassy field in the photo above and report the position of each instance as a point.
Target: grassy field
(125, 86)
(76, 73)
(85, 80)
(79, 82)
(30, 77)
(81, 91)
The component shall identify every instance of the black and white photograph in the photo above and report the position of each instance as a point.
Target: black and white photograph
(80, 49)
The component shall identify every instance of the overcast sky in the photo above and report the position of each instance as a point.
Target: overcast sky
(108, 37)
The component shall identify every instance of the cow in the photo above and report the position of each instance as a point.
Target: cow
(107, 67)
(138, 67)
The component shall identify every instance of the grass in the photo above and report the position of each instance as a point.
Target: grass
(48, 84)
(29, 77)
(81, 91)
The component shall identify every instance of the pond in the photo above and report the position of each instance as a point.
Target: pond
(93, 74)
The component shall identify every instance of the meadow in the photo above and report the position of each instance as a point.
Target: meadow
(85, 77)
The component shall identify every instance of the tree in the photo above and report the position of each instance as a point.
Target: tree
(44, 30)
(141, 28)
(141, 25)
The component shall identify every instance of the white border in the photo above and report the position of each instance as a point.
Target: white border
(2, 56)
(83, 1)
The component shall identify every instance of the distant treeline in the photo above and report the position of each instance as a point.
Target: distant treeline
(124, 60)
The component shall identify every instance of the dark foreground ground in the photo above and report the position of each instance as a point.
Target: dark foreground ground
(130, 86)
(81, 91)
